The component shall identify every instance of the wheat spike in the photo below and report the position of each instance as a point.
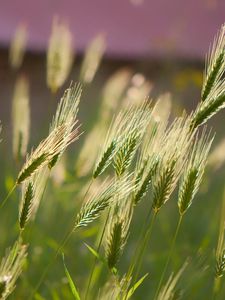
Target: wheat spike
(20, 117)
(92, 209)
(44, 153)
(172, 155)
(66, 114)
(11, 268)
(117, 231)
(215, 63)
(18, 46)
(194, 171)
(60, 55)
(26, 204)
(92, 58)
(143, 180)
(214, 103)
(132, 131)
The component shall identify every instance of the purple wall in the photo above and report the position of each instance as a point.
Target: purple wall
(184, 27)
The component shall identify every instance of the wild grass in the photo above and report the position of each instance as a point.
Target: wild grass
(134, 161)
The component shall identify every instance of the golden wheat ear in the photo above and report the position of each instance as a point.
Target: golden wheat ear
(60, 55)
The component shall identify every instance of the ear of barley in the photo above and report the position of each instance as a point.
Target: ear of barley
(215, 63)
(39, 180)
(20, 117)
(92, 209)
(132, 131)
(105, 160)
(46, 150)
(194, 170)
(172, 155)
(208, 108)
(126, 153)
(26, 205)
(32, 165)
(121, 141)
(115, 244)
(11, 268)
(92, 58)
(60, 55)
(18, 46)
(146, 180)
(164, 185)
(117, 232)
(66, 114)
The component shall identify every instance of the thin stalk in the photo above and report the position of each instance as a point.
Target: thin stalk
(141, 241)
(61, 246)
(141, 237)
(143, 248)
(95, 260)
(8, 195)
(169, 256)
(216, 287)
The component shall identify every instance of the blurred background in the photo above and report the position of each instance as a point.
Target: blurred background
(158, 46)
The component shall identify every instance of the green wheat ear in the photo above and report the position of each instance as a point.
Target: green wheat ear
(220, 265)
(31, 168)
(142, 190)
(26, 205)
(115, 243)
(105, 160)
(215, 64)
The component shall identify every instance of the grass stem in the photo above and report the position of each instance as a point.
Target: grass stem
(169, 256)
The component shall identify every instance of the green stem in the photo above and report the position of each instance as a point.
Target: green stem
(141, 236)
(139, 250)
(95, 260)
(8, 195)
(169, 256)
(61, 246)
(216, 287)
